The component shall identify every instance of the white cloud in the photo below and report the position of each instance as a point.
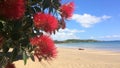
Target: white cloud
(87, 20)
(110, 36)
(106, 37)
(66, 34)
(105, 17)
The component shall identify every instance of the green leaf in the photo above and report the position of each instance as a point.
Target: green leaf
(46, 4)
(1, 25)
(15, 35)
(56, 4)
(14, 54)
(5, 48)
(25, 57)
(50, 10)
(32, 57)
(16, 25)
(37, 9)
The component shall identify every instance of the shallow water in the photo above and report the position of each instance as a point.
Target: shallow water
(105, 45)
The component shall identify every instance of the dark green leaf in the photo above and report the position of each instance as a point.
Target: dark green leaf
(37, 9)
(5, 48)
(25, 57)
(32, 57)
(46, 4)
(14, 54)
(16, 25)
(1, 25)
(30, 48)
(56, 4)
(15, 35)
(50, 10)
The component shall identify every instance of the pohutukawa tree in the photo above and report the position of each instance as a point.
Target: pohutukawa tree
(23, 28)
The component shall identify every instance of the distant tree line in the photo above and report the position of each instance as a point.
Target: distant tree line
(76, 41)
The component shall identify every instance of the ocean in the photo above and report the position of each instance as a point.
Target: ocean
(105, 45)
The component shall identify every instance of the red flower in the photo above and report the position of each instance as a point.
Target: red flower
(12, 9)
(67, 10)
(39, 20)
(45, 47)
(46, 22)
(9, 65)
(34, 41)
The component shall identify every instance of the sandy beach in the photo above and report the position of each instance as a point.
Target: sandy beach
(74, 58)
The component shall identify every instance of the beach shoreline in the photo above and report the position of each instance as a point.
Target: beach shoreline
(103, 46)
(75, 58)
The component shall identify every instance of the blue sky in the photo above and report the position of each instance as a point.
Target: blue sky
(93, 19)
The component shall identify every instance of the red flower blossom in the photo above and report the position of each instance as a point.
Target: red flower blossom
(12, 9)
(9, 65)
(39, 20)
(46, 22)
(67, 10)
(35, 41)
(45, 47)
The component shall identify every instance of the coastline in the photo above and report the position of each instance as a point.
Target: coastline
(74, 58)
(113, 46)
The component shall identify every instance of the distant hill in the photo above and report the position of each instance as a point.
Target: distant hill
(75, 41)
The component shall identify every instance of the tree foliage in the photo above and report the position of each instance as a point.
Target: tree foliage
(23, 28)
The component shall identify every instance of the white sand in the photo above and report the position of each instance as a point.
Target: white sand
(74, 58)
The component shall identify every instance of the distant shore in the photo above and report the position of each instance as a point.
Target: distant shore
(101, 45)
(75, 41)
(81, 40)
(75, 58)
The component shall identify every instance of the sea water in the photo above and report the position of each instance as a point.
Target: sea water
(104, 45)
